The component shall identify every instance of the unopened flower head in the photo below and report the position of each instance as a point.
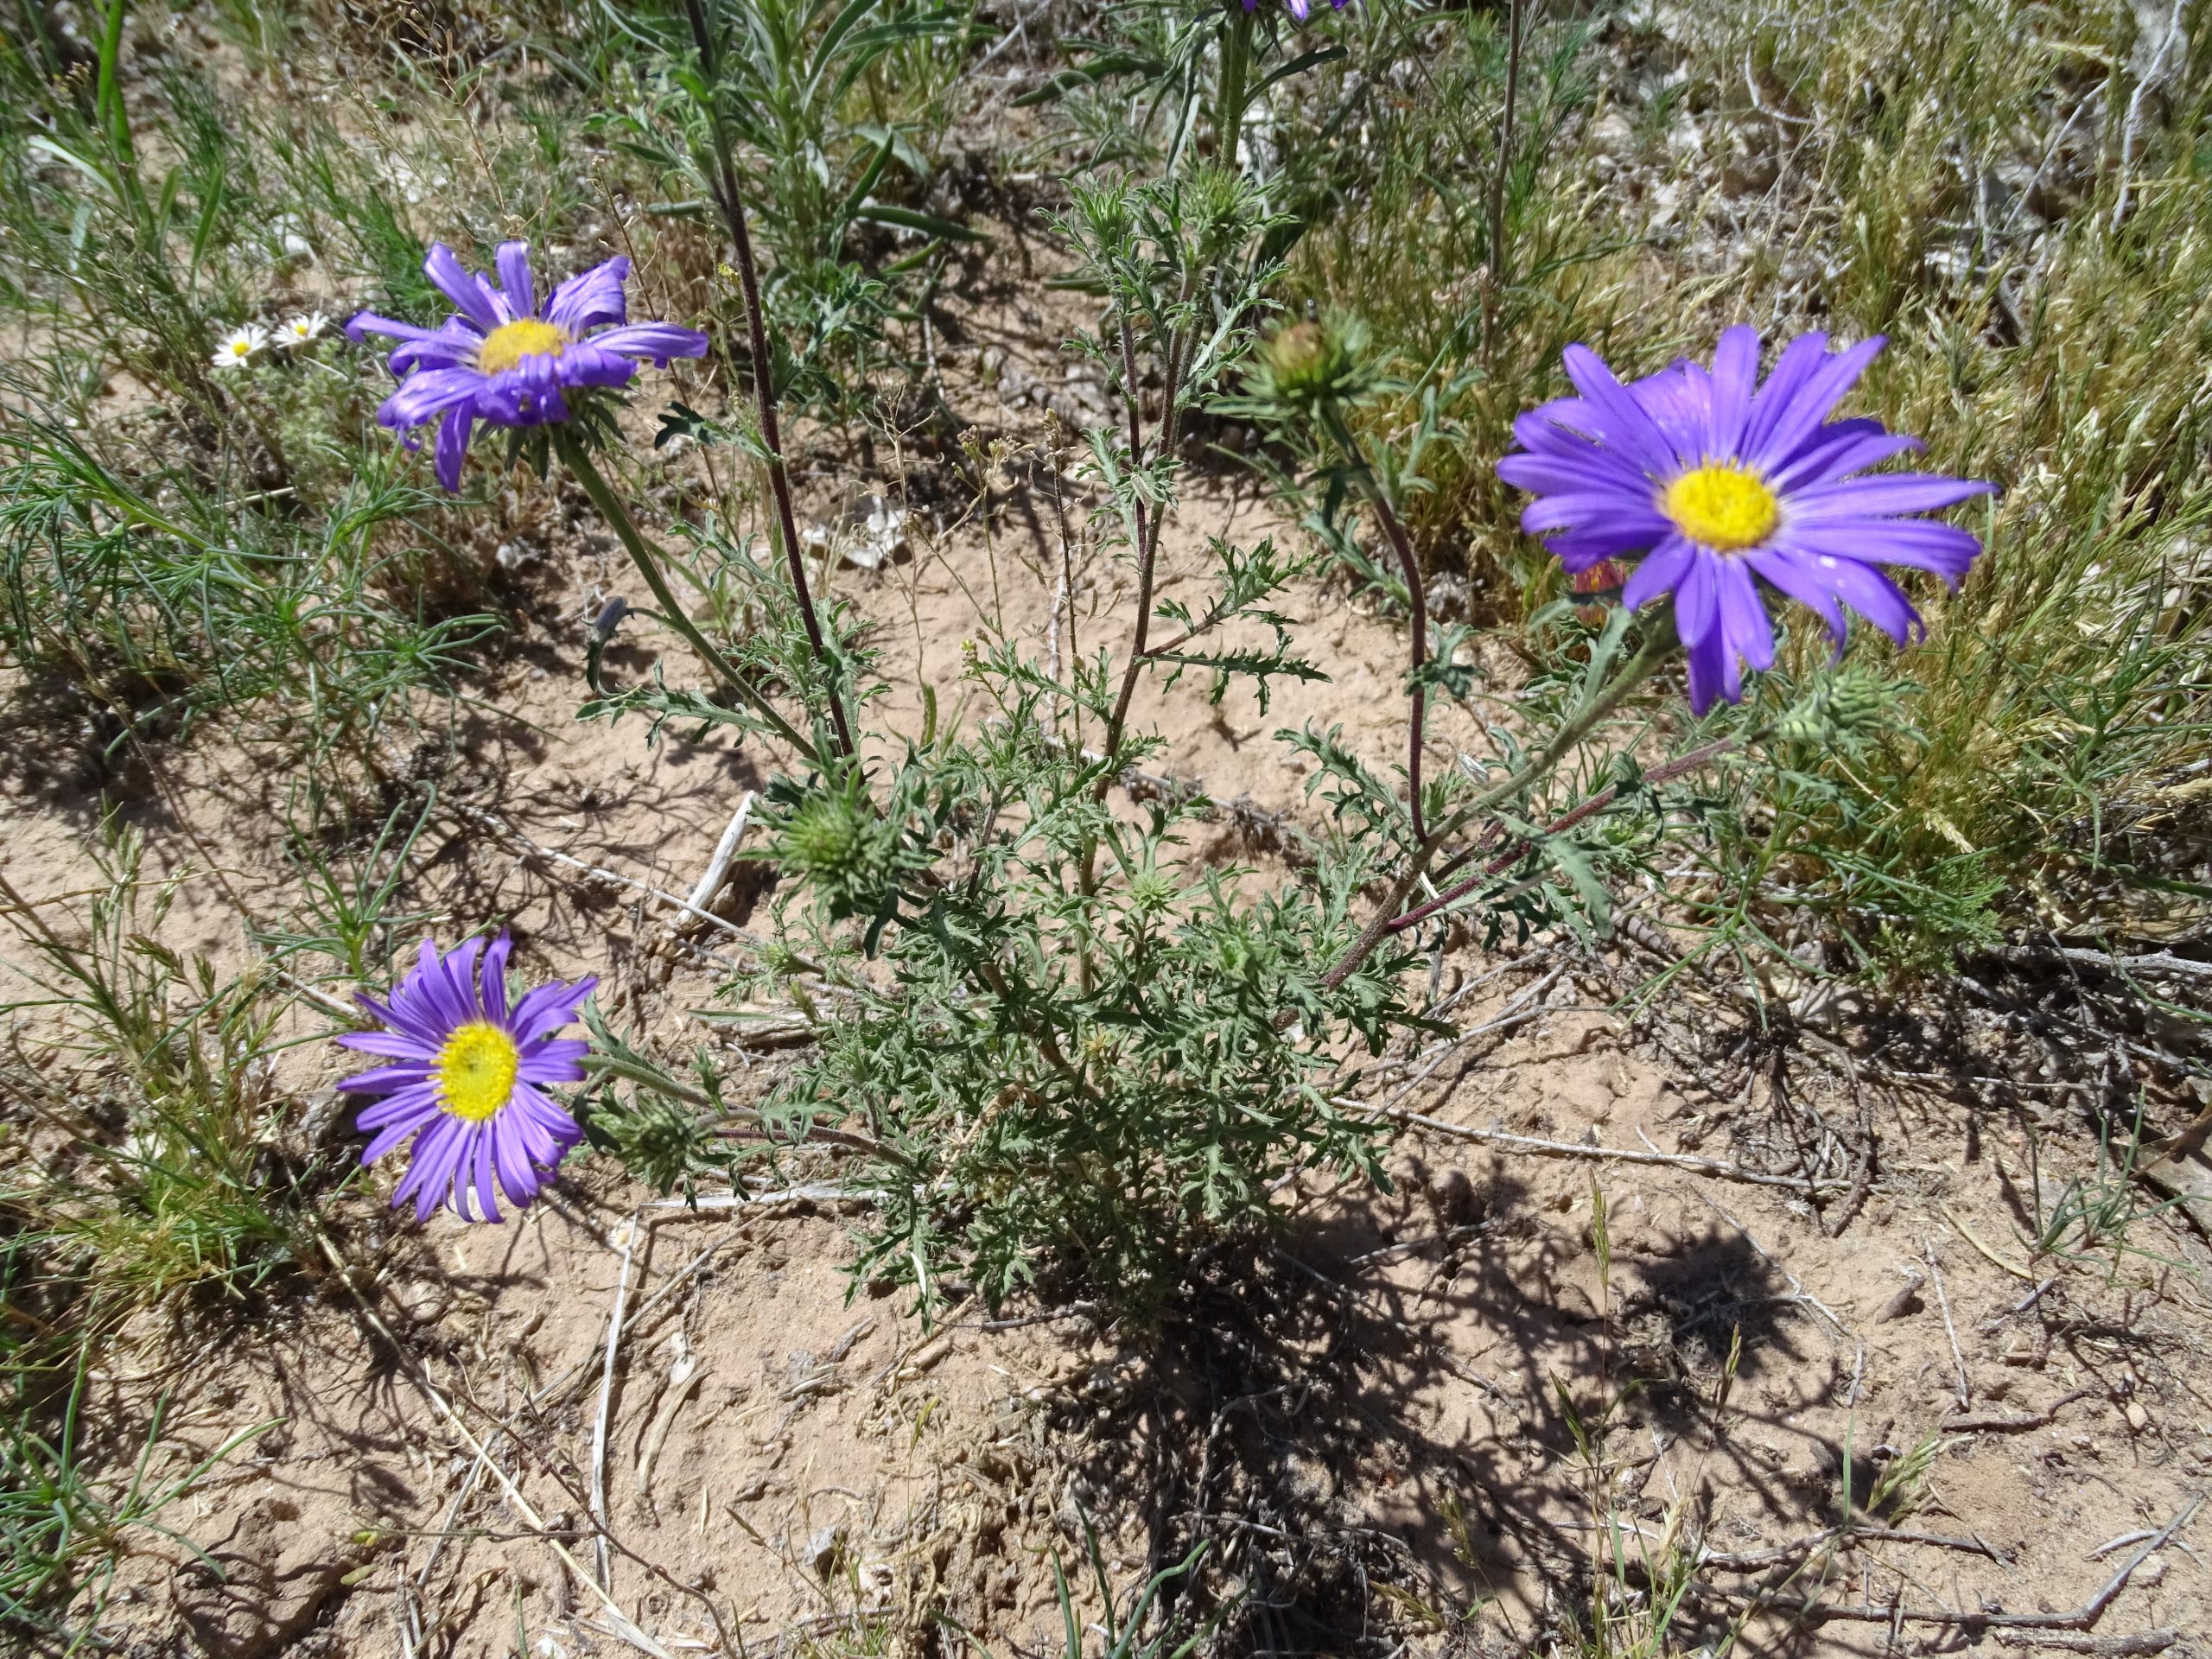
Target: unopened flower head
(502, 360)
(466, 1080)
(303, 330)
(241, 346)
(1715, 484)
(1307, 365)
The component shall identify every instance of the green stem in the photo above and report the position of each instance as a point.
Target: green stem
(578, 460)
(1600, 704)
(1236, 66)
(653, 1077)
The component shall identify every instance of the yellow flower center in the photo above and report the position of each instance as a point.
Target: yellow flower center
(511, 342)
(1722, 506)
(241, 349)
(476, 1070)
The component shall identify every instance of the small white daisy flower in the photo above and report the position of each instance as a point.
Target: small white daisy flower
(241, 346)
(303, 330)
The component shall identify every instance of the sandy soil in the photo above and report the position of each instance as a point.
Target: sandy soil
(1373, 1419)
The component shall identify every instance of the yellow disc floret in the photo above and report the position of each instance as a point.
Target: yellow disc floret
(511, 342)
(1722, 507)
(476, 1069)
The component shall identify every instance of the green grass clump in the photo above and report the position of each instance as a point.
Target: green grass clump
(146, 1148)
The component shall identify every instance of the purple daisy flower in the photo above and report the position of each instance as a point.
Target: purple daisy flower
(1301, 10)
(1719, 483)
(499, 360)
(468, 1080)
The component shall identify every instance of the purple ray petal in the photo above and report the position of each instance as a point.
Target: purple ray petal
(388, 1139)
(1792, 571)
(1578, 550)
(1922, 544)
(1746, 628)
(427, 394)
(1697, 598)
(590, 298)
(1661, 571)
(1594, 507)
(1623, 421)
(485, 1181)
(1713, 674)
(514, 1169)
(1892, 493)
(658, 341)
(475, 297)
(549, 1008)
(513, 261)
(495, 977)
(414, 1104)
(396, 1045)
(453, 447)
(385, 1079)
(1735, 379)
(1780, 423)
(459, 970)
(1833, 452)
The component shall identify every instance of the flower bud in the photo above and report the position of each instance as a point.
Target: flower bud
(1309, 364)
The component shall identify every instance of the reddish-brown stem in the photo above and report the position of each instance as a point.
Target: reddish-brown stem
(732, 203)
(1577, 726)
(1416, 603)
(1560, 825)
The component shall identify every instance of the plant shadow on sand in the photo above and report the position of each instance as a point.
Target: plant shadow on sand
(1370, 1419)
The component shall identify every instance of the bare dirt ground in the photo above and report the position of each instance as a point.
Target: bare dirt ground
(1411, 1423)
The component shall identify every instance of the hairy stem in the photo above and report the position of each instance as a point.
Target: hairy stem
(732, 204)
(578, 460)
(1235, 66)
(1148, 546)
(1703, 755)
(653, 1077)
(1656, 648)
(1416, 599)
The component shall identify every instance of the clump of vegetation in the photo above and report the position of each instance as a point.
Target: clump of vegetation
(1381, 258)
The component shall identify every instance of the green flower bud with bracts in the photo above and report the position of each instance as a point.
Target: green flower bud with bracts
(1310, 367)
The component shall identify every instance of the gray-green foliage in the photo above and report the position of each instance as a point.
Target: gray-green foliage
(1080, 1051)
(159, 601)
(1092, 1054)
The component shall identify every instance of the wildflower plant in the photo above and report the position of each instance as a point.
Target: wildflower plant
(240, 347)
(1166, 79)
(466, 1078)
(1719, 484)
(1071, 1050)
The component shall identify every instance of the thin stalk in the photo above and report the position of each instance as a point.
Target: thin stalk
(1639, 668)
(660, 1082)
(1416, 599)
(578, 460)
(1136, 430)
(1704, 755)
(1504, 163)
(1147, 548)
(732, 203)
(1236, 69)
